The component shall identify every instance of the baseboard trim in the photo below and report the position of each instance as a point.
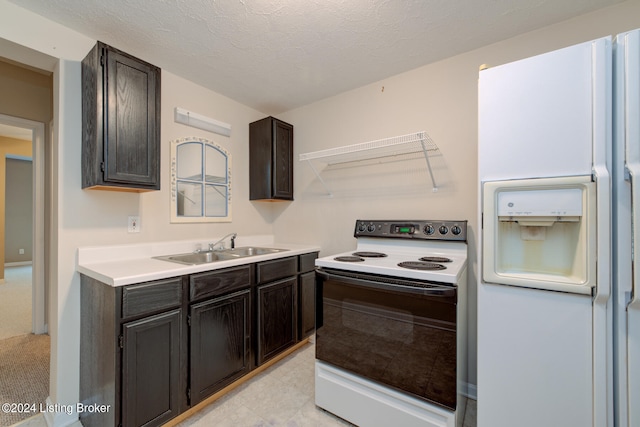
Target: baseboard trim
(18, 263)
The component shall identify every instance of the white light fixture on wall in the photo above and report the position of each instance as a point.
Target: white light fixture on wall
(201, 122)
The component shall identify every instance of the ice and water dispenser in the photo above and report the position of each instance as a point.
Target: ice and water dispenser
(540, 233)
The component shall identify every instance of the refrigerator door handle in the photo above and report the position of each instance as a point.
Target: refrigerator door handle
(603, 224)
(602, 84)
(601, 100)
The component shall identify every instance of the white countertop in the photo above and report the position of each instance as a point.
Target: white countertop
(127, 264)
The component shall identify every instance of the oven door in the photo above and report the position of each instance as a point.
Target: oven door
(400, 333)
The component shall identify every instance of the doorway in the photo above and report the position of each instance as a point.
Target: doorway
(37, 132)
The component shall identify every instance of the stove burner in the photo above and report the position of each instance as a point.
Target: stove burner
(349, 258)
(435, 259)
(421, 265)
(366, 254)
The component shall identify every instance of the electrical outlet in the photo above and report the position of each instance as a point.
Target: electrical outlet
(134, 224)
(20, 251)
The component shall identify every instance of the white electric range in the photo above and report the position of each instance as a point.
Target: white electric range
(391, 325)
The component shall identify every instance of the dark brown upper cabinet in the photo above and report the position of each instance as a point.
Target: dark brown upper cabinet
(270, 160)
(120, 121)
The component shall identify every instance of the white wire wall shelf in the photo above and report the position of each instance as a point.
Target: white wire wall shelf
(419, 142)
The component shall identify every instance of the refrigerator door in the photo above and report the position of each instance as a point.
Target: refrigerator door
(536, 116)
(627, 229)
(535, 359)
(547, 117)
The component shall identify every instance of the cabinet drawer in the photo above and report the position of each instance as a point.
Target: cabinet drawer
(149, 297)
(213, 283)
(276, 269)
(308, 262)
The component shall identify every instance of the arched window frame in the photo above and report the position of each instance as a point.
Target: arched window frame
(209, 191)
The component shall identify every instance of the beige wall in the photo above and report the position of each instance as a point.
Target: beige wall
(26, 93)
(15, 147)
(440, 99)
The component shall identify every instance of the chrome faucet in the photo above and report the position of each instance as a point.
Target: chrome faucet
(212, 246)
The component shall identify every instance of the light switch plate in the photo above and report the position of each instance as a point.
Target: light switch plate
(134, 224)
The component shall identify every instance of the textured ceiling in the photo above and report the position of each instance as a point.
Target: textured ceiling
(275, 55)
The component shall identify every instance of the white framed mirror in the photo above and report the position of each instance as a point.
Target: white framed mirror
(200, 181)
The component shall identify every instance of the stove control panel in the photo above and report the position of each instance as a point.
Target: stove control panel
(412, 229)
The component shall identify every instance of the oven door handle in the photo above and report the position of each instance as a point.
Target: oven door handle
(435, 291)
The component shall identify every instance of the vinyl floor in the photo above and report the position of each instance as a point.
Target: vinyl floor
(283, 395)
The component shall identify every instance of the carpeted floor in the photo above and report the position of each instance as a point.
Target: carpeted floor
(24, 375)
(24, 357)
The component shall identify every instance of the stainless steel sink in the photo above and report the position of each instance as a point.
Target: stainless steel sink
(252, 251)
(198, 257)
(205, 257)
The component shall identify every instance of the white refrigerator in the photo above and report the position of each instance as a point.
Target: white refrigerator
(545, 311)
(626, 229)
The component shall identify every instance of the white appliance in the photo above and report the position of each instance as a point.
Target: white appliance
(626, 230)
(544, 305)
(391, 325)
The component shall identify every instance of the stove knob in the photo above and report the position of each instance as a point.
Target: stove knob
(371, 228)
(361, 228)
(429, 229)
(456, 230)
(443, 229)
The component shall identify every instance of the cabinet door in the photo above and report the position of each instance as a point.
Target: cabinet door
(151, 370)
(307, 301)
(220, 343)
(132, 126)
(277, 317)
(270, 160)
(282, 160)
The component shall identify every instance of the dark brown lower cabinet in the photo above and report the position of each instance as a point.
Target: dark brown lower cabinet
(220, 343)
(151, 369)
(277, 317)
(131, 352)
(150, 351)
